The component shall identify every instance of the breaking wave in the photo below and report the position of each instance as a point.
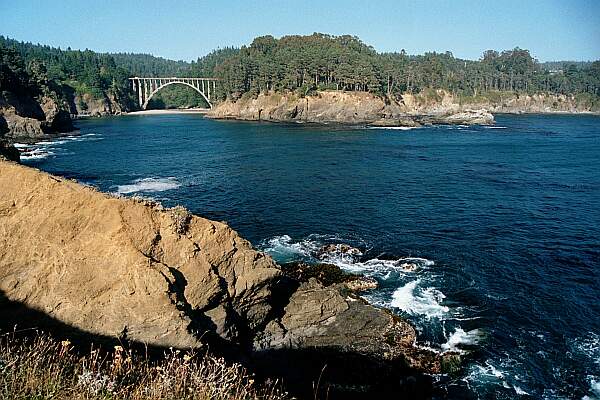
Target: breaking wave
(460, 339)
(284, 249)
(414, 300)
(396, 128)
(36, 154)
(149, 185)
(416, 297)
(46, 148)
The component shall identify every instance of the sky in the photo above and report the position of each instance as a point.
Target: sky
(186, 30)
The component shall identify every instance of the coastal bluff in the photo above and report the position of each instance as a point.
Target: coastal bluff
(351, 108)
(130, 269)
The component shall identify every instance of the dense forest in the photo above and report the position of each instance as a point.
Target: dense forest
(303, 64)
(321, 62)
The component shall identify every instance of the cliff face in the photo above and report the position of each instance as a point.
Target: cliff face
(430, 107)
(87, 105)
(120, 267)
(535, 103)
(130, 269)
(26, 117)
(345, 108)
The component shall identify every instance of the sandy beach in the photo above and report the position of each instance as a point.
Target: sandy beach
(171, 111)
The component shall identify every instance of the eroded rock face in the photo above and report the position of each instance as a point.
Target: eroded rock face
(349, 108)
(33, 118)
(88, 105)
(120, 268)
(128, 268)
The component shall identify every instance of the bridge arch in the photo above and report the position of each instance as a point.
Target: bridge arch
(145, 88)
(175, 83)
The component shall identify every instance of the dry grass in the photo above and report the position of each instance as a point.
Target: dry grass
(43, 368)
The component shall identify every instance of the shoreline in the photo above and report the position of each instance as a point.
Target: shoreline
(169, 111)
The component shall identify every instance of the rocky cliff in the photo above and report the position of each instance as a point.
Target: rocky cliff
(130, 269)
(86, 105)
(347, 108)
(429, 107)
(29, 118)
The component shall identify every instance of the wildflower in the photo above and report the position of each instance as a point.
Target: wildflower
(65, 343)
(187, 357)
(118, 348)
(95, 383)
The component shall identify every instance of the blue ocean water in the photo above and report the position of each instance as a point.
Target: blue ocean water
(504, 222)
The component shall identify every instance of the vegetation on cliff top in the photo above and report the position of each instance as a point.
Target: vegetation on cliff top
(320, 62)
(308, 63)
(44, 368)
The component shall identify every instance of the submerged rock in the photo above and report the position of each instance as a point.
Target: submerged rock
(339, 249)
(327, 275)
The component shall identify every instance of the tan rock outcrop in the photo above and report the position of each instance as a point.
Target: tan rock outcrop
(107, 267)
(349, 108)
(33, 118)
(122, 267)
(88, 105)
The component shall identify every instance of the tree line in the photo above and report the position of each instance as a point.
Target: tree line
(303, 64)
(321, 62)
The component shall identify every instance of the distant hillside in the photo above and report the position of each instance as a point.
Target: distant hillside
(317, 62)
(94, 83)
(562, 65)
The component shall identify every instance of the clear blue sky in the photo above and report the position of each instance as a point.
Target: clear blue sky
(551, 29)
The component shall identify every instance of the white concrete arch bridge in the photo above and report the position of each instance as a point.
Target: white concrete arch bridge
(145, 88)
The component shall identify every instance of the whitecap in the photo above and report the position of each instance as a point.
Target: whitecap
(398, 128)
(149, 185)
(284, 249)
(594, 392)
(479, 374)
(21, 145)
(460, 338)
(588, 346)
(35, 154)
(414, 300)
(520, 391)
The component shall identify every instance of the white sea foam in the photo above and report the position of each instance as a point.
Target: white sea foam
(149, 185)
(21, 145)
(414, 300)
(284, 249)
(460, 338)
(36, 154)
(397, 128)
(520, 391)
(594, 393)
(588, 346)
